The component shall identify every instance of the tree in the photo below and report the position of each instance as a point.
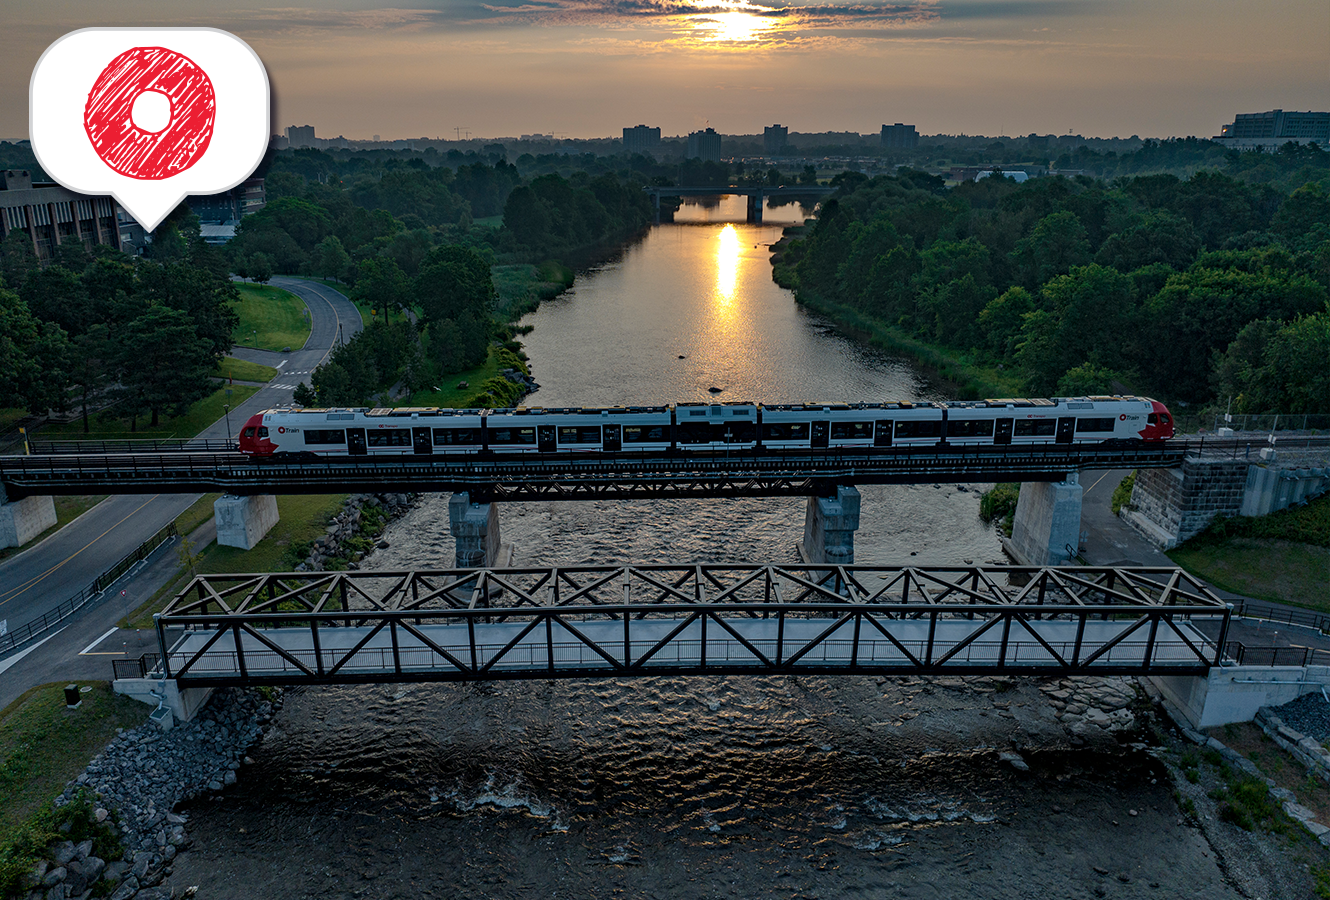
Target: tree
(1002, 319)
(1274, 367)
(304, 395)
(205, 298)
(330, 258)
(382, 284)
(1084, 318)
(32, 356)
(161, 363)
(90, 363)
(260, 267)
(1159, 237)
(17, 257)
(1056, 244)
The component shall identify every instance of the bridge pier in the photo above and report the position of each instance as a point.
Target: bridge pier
(829, 527)
(243, 521)
(655, 209)
(475, 528)
(1047, 527)
(755, 203)
(22, 520)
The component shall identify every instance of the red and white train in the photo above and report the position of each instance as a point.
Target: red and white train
(704, 427)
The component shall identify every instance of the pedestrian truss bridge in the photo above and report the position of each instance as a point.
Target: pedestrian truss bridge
(630, 620)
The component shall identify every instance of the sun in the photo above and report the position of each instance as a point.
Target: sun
(730, 21)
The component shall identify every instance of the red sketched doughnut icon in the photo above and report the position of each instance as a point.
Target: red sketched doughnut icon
(129, 148)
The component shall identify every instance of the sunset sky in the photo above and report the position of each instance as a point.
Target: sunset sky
(587, 68)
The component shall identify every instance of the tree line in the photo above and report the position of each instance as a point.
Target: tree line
(1201, 290)
(142, 333)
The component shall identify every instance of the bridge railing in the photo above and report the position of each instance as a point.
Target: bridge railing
(134, 445)
(1305, 618)
(1242, 655)
(17, 637)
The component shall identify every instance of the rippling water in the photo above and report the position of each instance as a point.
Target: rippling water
(693, 787)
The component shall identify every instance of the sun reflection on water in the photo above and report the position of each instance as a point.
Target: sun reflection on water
(727, 265)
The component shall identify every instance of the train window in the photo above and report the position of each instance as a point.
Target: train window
(1096, 424)
(970, 427)
(918, 429)
(850, 431)
(1164, 419)
(249, 432)
(512, 435)
(1036, 427)
(448, 437)
(389, 437)
(637, 434)
(579, 434)
(785, 431)
(263, 431)
(694, 433)
(1152, 419)
(325, 436)
(735, 432)
(697, 412)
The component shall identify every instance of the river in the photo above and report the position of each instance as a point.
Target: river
(695, 787)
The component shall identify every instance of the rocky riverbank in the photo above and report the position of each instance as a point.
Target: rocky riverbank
(354, 532)
(135, 785)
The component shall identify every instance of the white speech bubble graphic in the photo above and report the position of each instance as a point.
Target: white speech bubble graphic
(149, 115)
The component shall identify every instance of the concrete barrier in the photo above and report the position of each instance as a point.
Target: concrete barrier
(22, 520)
(243, 521)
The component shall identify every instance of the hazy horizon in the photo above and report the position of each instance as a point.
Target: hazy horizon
(589, 68)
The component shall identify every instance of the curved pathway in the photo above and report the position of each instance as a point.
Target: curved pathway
(45, 575)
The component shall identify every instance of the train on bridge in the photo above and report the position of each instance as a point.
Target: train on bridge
(705, 427)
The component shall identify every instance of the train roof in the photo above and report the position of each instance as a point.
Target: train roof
(579, 410)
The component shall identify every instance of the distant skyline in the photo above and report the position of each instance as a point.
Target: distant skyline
(588, 68)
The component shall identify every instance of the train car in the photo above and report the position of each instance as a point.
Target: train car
(715, 426)
(847, 426)
(1064, 420)
(578, 430)
(419, 431)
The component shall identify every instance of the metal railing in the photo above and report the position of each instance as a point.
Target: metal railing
(1305, 618)
(1243, 655)
(145, 665)
(133, 445)
(21, 635)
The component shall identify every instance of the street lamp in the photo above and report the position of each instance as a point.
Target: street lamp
(227, 408)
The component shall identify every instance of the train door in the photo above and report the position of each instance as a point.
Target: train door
(611, 440)
(820, 435)
(422, 443)
(882, 433)
(1002, 434)
(355, 442)
(545, 438)
(1066, 429)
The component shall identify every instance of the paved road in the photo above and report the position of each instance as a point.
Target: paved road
(44, 576)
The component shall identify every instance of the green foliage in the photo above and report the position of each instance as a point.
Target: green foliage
(368, 364)
(553, 217)
(1122, 493)
(24, 846)
(999, 504)
(1306, 524)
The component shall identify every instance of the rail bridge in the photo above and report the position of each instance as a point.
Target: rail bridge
(249, 508)
(756, 195)
(644, 620)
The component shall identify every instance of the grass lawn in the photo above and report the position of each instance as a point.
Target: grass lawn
(244, 370)
(43, 745)
(67, 509)
(1265, 568)
(270, 318)
(9, 416)
(302, 518)
(449, 394)
(198, 417)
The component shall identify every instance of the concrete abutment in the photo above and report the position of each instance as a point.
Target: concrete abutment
(475, 528)
(243, 521)
(22, 520)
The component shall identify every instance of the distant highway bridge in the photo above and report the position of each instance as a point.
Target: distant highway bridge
(756, 195)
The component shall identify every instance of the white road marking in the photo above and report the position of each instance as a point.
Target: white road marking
(17, 656)
(282, 363)
(99, 640)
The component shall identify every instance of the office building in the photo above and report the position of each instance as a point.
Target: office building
(899, 137)
(774, 139)
(301, 136)
(1271, 130)
(704, 145)
(50, 215)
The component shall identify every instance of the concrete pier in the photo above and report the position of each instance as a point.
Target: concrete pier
(1047, 527)
(243, 521)
(475, 528)
(22, 520)
(829, 527)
